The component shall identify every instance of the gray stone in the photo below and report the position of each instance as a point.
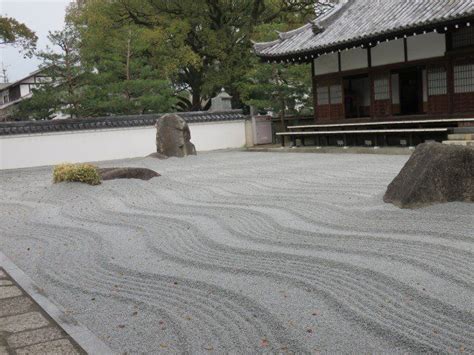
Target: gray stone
(9, 291)
(16, 305)
(435, 173)
(3, 350)
(222, 102)
(62, 346)
(22, 322)
(2, 274)
(5, 283)
(173, 137)
(31, 337)
(127, 173)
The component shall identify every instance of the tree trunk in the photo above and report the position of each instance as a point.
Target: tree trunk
(196, 101)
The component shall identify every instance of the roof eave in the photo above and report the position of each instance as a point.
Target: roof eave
(310, 53)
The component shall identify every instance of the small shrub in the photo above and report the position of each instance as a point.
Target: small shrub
(84, 173)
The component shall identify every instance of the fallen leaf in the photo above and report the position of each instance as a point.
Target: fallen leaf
(121, 326)
(264, 343)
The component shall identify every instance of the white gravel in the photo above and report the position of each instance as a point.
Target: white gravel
(248, 252)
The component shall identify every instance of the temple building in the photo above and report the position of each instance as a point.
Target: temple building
(378, 60)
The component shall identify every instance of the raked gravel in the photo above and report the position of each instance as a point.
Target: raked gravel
(248, 252)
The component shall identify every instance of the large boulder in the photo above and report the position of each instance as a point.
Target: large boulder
(127, 173)
(435, 173)
(173, 137)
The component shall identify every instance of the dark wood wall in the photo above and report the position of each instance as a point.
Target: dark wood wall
(446, 103)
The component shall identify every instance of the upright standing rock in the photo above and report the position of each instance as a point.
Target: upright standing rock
(173, 137)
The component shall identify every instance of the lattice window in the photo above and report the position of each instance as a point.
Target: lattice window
(336, 94)
(382, 88)
(463, 38)
(323, 95)
(464, 78)
(437, 82)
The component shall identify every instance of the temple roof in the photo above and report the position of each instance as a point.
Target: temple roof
(355, 22)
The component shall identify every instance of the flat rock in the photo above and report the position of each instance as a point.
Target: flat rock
(435, 173)
(127, 173)
(173, 137)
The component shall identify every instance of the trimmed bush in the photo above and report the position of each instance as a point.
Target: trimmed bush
(84, 173)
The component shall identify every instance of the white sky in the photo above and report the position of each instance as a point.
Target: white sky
(40, 16)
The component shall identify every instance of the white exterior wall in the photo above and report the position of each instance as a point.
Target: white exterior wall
(24, 90)
(326, 64)
(430, 45)
(354, 59)
(388, 53)
(21, 151)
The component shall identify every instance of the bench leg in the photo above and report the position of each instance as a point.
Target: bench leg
(282, 141)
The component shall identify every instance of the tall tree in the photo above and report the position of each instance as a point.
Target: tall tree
(17, 34)
(216, 34)
(64, 68)
(129, 62)
(280, 88)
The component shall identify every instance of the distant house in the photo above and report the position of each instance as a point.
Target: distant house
(13, 93)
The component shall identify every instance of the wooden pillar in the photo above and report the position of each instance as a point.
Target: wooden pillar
(371, 81)
(315, 98)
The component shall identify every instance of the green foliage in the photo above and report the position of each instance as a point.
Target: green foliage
(84, 173)
(135, 56)
(64, 74)
(17, 34)
(43, 105)
(200, 45)
(276, 87)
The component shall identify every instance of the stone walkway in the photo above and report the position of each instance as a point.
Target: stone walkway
(25, 328)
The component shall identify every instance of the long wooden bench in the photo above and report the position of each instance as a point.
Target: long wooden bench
(379, 128)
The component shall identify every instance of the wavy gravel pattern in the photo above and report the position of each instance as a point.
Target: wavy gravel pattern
(248, 252)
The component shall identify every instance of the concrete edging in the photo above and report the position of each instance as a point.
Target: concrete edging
(79, 333)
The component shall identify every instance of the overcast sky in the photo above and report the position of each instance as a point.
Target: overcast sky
(40, 16)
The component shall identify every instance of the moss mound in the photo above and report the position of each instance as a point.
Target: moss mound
(85, 173)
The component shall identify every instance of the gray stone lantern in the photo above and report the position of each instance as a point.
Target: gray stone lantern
(222, 102)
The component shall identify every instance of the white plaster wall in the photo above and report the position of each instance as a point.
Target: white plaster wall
(430, 45)
(326, 64)
(24, 90)
(354, 59)
(388, 53)
(21, 151)
(217, 135)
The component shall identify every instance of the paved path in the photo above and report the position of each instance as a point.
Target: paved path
(25, 328)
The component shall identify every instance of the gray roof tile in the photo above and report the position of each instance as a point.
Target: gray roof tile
(361, 20)
(28, 127)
